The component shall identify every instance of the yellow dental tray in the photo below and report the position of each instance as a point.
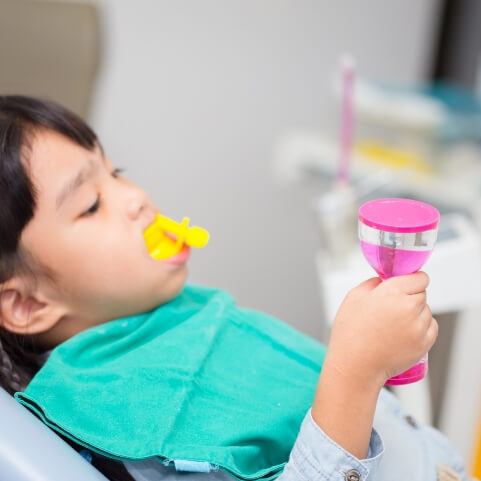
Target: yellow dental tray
(162, 246)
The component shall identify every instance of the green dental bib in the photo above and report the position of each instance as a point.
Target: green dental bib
(196, 379)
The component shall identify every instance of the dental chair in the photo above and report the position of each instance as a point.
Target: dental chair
(30, 451)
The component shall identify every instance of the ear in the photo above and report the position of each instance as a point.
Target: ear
(23, 311)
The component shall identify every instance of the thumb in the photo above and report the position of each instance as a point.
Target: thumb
(369, 284)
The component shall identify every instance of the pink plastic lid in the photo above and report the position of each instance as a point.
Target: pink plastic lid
(399, 215)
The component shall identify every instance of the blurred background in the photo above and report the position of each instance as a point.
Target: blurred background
(229, 112)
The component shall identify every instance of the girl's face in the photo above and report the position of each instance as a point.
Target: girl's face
(88, 229)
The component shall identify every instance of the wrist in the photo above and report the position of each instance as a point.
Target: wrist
(344, 406)
(357, 375)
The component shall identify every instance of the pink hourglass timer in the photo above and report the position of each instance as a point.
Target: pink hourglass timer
(397, 237)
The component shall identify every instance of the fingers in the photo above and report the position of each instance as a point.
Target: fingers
(431, 334)
(368, 284)
(429, 327)
(411, 283)
(419, 300)
(425, 316)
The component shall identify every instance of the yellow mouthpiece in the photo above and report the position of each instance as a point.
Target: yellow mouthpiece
(161, 246)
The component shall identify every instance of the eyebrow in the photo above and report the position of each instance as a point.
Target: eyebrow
(75, 182)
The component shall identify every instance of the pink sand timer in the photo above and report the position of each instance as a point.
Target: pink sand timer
(397, 237)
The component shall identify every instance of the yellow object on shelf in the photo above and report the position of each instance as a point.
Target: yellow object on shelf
(391, 157)
(162, 246)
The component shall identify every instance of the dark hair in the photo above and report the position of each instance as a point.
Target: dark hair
(21, 118)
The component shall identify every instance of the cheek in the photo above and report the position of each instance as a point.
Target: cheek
(108, 287)
(112, 266)
(86, 263)
(117, 268)
(99, 281)
(140, 282)
(107, 265)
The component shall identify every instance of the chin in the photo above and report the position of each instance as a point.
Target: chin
(180, 282)
(175, 286)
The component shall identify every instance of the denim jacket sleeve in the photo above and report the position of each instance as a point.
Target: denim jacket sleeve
(316, 457)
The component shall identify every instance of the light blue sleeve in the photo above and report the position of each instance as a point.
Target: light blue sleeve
(316, 457)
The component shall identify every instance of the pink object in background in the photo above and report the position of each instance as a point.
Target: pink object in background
(397, 237)
(347, 119)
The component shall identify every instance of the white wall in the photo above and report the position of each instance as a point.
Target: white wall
(193, 96)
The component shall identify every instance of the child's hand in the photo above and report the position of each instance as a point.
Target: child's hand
(382, 328)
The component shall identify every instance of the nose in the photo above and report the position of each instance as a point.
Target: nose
(138, 205)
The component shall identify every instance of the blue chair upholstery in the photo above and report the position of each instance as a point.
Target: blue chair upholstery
(30, 451)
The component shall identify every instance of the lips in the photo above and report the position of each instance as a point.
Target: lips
(179, 258)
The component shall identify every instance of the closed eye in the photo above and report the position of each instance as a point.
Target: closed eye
(95, 207)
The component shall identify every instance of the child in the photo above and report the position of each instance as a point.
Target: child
(72, 258)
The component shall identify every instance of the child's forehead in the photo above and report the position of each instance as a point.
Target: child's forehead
(52, 156)
(50, 147)
(54, 163)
